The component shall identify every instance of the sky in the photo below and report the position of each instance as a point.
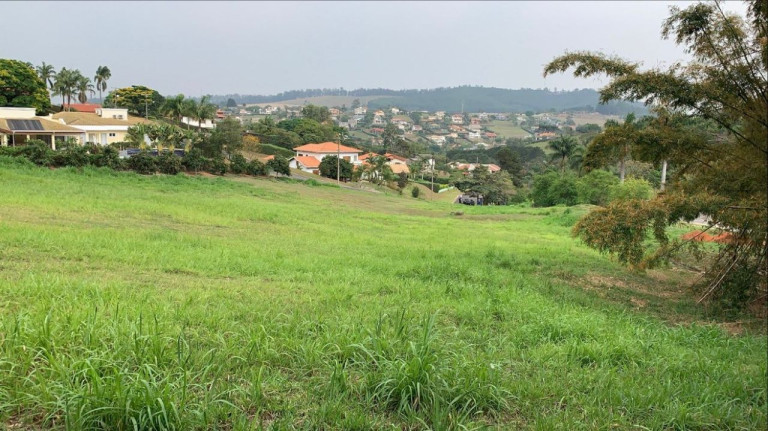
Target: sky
(264, 48)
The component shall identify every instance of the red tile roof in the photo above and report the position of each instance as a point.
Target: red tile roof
(308, 161)
(84, 107)
(395, 156)
(327, 148)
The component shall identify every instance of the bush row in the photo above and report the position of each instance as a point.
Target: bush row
(143, 163)
(597, 188)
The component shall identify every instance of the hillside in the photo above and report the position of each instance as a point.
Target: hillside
(457, 99)
(175, 302)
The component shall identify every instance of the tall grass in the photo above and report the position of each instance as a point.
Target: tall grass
(132, 302)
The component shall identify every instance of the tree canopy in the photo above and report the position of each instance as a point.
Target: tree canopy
(723, 174)
(21, 86)
(138, 99)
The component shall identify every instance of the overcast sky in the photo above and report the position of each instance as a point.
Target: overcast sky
(267, 47)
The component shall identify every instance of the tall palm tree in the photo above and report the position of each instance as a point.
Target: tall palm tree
(46, 72)
(204, 110)
(564, 146)
(102, 75)
(173, 107)
(84, 86)
(65, 84)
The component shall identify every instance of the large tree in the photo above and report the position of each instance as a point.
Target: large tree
(723, 176)
(84, 88)
(21, 86)
(138, 99)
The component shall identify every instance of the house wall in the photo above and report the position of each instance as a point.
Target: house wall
(17, 113)
(351, 157)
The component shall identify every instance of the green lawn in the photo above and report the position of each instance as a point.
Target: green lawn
(132, 302)
(506, 129)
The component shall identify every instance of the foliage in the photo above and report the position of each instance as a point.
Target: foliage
(726, 84)
(279, 165)
(554, 188)
(631, 189)
(595, 187)
(563, 148)
(216, 166)
(496, 188)
(142, 163)
(226, 139)
(194, 161)
(138, 99)
(319, 114)
(21, 86)
(328, 168)
(169, 163)
(238, 164)
(102, 76)
(402, 180)
(256, 168)
(251, 143)
(415, 191)
(107, 157)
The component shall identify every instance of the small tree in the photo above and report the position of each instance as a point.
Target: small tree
(415, 191)
(328, 168)
(279, 165)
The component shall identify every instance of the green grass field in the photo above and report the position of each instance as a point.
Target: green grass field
(506, 129)
(132, 302)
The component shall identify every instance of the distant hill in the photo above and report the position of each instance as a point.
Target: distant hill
(456, 99)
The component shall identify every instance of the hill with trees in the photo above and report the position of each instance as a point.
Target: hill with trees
(463, 98)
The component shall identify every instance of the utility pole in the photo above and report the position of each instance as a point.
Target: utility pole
(338, 162)
(432, 183)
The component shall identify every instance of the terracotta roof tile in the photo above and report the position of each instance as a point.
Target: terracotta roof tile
(326, 147)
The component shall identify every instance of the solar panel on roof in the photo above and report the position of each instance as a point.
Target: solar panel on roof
(25, 124)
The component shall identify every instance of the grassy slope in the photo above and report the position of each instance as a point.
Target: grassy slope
(506, 129)
(263, 303)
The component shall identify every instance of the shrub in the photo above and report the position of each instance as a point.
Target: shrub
(169, 163)
(37, 152)
(415, 192)
(216, 167)
(238, 164)
(72, 155)
(106, 157)
(256, 168)
(632, 188)
(552, 188)
(194, 161)
(279, 165)
(142, 163)
(595, 187)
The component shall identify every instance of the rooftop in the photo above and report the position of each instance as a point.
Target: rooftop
(327, 148)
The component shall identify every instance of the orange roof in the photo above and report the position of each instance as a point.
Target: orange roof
(396, 169)
(308, 161)
(493, 168)
(366, 156)
(327, 148)
(395, 156)
(268, 158)
(84, 107)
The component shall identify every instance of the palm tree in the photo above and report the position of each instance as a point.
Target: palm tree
(173, 107)
(564, 146)
(84, 86)
(65, 84)
(102, 75)
(204, 111)
(46, 73)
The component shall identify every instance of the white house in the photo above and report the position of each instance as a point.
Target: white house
(105, 126)
(306, 164)
(322, 150)
(457, 119)
(19, 125)
(438, 139)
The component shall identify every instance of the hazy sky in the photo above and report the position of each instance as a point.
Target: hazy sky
(268, 47)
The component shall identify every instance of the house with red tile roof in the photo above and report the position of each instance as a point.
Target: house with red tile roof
(82, 107)
(320, 151)
(306, 164)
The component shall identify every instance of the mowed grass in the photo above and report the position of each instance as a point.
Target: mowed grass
(507, 129)
(131, 302)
